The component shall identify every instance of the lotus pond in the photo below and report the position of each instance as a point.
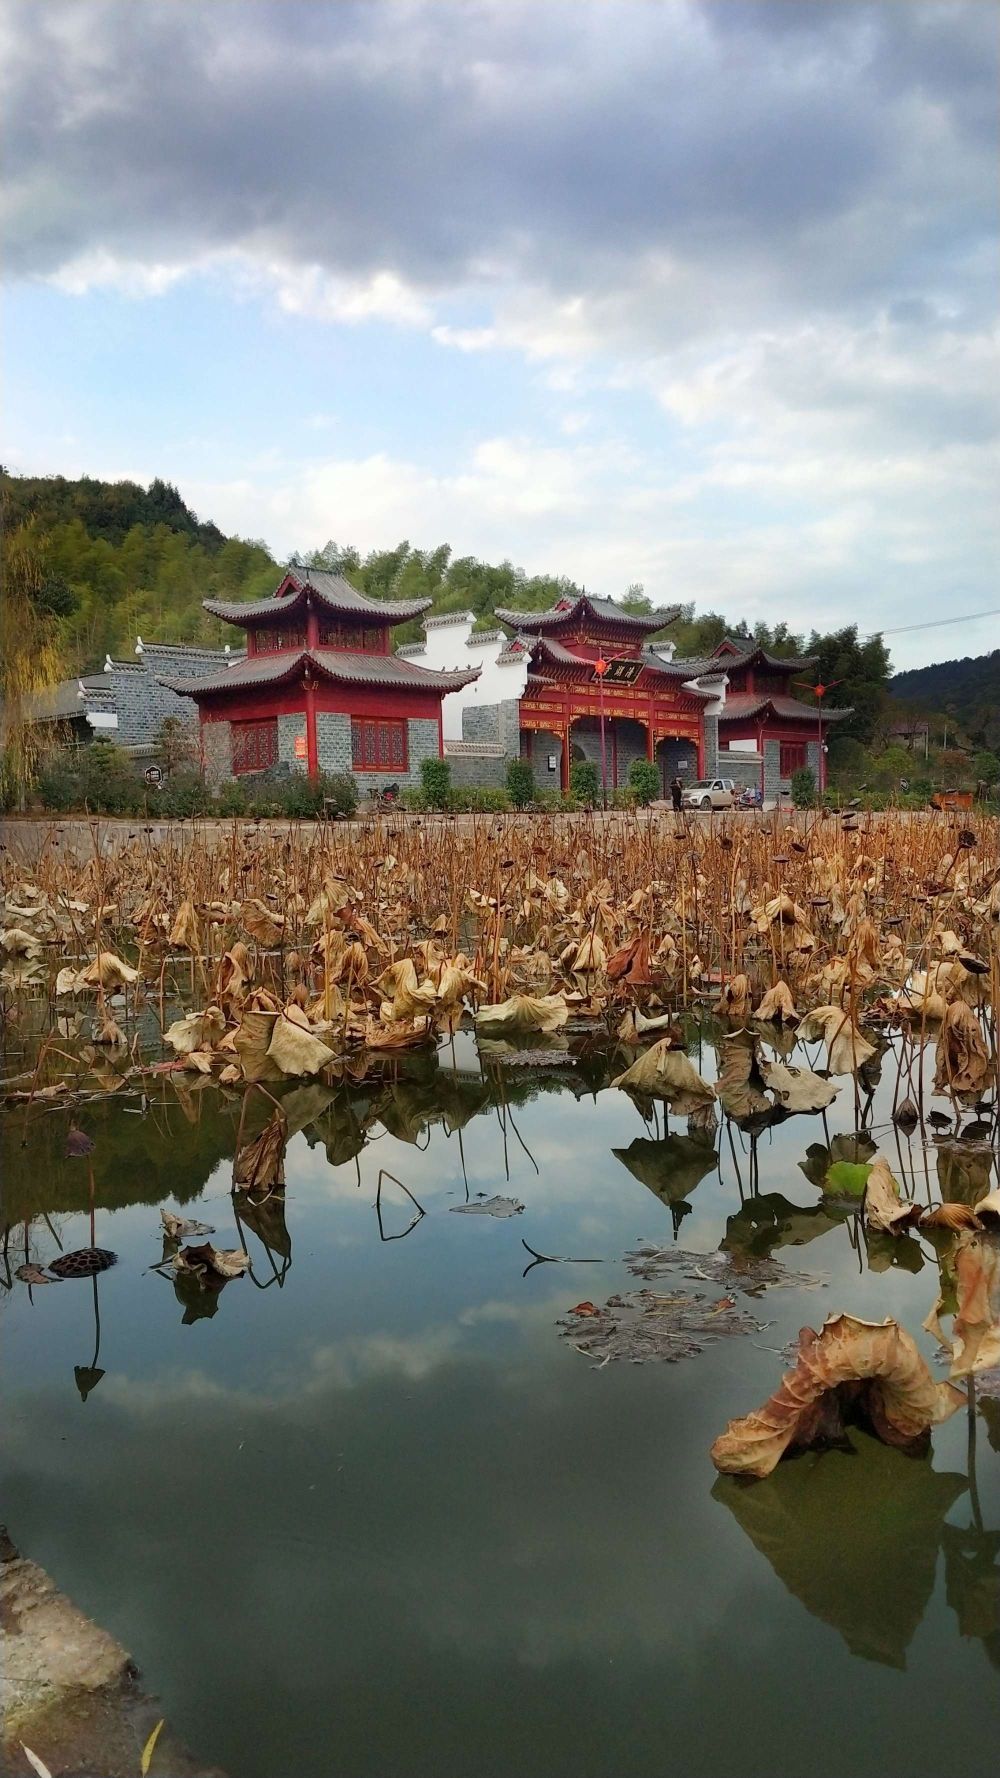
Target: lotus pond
(395, 1501)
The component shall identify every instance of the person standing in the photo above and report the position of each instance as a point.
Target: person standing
(676, 794)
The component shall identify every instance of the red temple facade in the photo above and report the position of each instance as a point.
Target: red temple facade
(762, 717)
(319, 688)
(648, 711)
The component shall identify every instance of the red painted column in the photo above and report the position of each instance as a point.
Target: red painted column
(650, 731)
(312, 748)
(440, 729)
(312, 626)
(701, 753)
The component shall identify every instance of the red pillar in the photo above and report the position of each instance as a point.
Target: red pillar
(564, 762)
(312, 749)
(312, 626)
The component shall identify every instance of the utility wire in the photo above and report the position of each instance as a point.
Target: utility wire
(935, 623)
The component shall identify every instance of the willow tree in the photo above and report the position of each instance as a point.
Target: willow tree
(31, 655)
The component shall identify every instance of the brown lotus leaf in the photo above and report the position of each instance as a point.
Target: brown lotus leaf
(230, 1075)
(261, 922)
(251, 1043)
(589, 955)
(110, 1034)
(741, 1095)
(260, 1165)
(334, 895)
(294, 1049)
(185, 931)
(108, 971)
(797, 1089)
(397, 1036)
(976, 1328)
(224, 1262)
(777, 1005)
(665, 1073)
(885, 1207)
(950, 1216)
(963, 1060)
(186, 1034)
(631, 962)
(900, 1395)
(18, 943)
(735, 997)
(525, 1012)
(233, 975)
(846, 1049)
(410, 998)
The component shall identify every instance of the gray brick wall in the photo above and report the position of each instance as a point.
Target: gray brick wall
(812, 759)
(216, 742)
(471, 773)
(712, 767)
(544, 745)
(333, 745)
(481, 722)
(289, 727)
(772, 768)
(142, 704)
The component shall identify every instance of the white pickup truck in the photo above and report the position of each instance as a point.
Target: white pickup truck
(709, 793)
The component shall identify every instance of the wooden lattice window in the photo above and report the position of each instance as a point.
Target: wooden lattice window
(378, 745)
(254, 745)
(794, 757)
(279, 638)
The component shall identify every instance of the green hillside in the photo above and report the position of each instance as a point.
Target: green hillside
(966, 690)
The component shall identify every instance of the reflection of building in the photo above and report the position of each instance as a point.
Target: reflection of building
(319, 686)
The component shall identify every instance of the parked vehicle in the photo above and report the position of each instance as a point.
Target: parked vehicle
(384, 799)
(750, 797)
(710, 793)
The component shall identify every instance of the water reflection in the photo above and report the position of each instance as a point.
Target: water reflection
(854, 1536)
(670, 1168)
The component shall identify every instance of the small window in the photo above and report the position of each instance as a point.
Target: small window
(378, 745)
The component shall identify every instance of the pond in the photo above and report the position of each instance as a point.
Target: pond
(373, 1509)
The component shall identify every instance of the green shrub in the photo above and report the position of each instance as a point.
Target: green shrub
(555, 803)
(483, 800)
(644, 780)
(59, 783)
(585, 783)
(232, 798)
(184, 793)
(413, 800)
(804, 788)
(435, 779)
(623, 798)
(99, 778)
(520, 782)
(340, 791)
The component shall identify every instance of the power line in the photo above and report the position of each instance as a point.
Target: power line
(935, 623)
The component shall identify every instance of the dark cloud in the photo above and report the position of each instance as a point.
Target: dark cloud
(843, 147)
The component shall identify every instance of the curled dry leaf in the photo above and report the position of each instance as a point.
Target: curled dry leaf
(899, 1394)
(955, 1217)
(177, 1228)
(885, 1207)
(777, 1005)
(525, 1012)
(260, 1164)
(31, 1274)
(976, 1328)
(224, 1262)
(963, 1060)
(185, 932)
(664, 1073)
(846, 1049)
(797, 1089)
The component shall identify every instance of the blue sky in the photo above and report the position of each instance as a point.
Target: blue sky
(700, 295)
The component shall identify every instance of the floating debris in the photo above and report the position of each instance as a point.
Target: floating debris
(489, 1207)
(643, 1326)
(83, 1263)
(749, 1273)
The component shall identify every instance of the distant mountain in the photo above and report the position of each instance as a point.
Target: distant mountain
(968, 690)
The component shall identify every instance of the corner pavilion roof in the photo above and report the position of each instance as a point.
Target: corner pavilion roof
(742, 704)
(733, 653)
(390, 671)
(331, 591)
(568, 611)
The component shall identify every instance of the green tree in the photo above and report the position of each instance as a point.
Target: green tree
(644, 779)
(435, 777)
(520, 782)
(986, 768)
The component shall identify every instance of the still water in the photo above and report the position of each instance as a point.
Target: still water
(375, 1515)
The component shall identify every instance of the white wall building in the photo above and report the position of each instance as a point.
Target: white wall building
(450, 644)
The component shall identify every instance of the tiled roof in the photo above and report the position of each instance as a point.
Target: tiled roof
(331, 590)
(741, 704)
(538, 622)
(349, 669)
(546, 648)
(727, 662)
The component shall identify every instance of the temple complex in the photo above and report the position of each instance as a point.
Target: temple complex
(319, 686)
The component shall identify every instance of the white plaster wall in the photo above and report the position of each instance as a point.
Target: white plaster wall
(449, 645)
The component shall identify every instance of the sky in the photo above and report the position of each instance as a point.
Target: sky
(700, 293)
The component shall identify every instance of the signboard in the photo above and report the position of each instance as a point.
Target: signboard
(619, 672)
(153, 775)
(300, 747)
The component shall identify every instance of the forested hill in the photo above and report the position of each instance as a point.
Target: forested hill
(973, 680)
(105, 562)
